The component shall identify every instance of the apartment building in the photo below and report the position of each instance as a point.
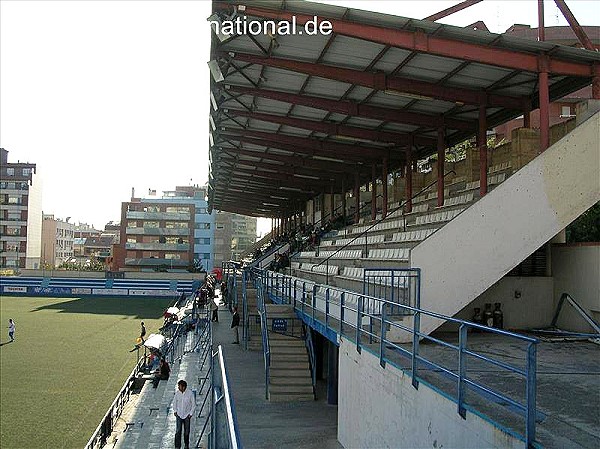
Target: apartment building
(20, 214)
(234, 234)
(172, 233)
(57, 241)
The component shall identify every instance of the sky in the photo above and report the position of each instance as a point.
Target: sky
(108, 95)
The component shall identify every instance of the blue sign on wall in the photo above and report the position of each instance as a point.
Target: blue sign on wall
(279, 325)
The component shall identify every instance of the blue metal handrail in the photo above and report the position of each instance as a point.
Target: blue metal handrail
(235, 441)
(350, 309)
(260, 301)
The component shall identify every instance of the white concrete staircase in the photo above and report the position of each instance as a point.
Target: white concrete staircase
(480, 246)
(289, 375)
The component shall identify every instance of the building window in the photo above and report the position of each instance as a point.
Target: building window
(206, 256)
(26, 171)
(220, 226)
(202, 210)
(10, 171)
(202, 225)
(202, 241)
(151, 224)
(565, 111)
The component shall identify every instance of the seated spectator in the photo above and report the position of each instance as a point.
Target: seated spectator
(162, 373)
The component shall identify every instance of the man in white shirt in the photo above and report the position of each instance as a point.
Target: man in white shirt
(184, 405)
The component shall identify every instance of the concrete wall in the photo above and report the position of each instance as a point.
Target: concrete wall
(481, 245)
(576, 270)
(527, 302)
(379, 408)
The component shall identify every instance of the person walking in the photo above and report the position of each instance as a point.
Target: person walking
(214, 308)
(11, 330)
(235, 322)
(184, 405)
(142, 332)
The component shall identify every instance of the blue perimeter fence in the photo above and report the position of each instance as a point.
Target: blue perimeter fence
(390, 329)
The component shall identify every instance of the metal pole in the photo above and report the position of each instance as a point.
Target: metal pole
(531, 394)
(482, 143)
(462, 345)
(441, 154)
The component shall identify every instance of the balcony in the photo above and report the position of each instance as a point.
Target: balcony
(157, 231)
(13, 222)
(158, 246)
(141, 215)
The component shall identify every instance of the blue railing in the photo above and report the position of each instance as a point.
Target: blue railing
(396, 338)
(260, 302)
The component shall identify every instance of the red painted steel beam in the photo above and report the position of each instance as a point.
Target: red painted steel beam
(424, 43)
(577, 29)
(360, 110)
(314, 144)
(333, 129)
(441, 159)
(448, 11)
(292, 180)
(382, 81)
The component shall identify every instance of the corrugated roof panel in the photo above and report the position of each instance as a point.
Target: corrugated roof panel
(430, 63)
(322, 87)
(279, 79)
(271, 106)
(362, 122)
(293, 131)
(399, 127)
(391, 59)
(305, 111)
(259, 125)
(301, 48)
(359, 93)
(337, 118)
(389, 100)
(351, 53)
(478, 75)
(432, 106)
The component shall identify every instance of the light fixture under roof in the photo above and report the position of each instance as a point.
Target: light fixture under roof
(216, 24)
(213, 101)
(407, 95)
(215, 71)
(329, 159)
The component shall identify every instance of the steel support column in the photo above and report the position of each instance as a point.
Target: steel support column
(541, 29)
(384, 185)
(314, 210)
(331, 203)
(356, 198)
(344, 213)
(596, 83)
(408, 177)
(544, 96)
(482, 144)
(373, 192)
(527, 118)
(441, 155)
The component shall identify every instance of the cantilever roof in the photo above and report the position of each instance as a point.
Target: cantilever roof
(299, 115)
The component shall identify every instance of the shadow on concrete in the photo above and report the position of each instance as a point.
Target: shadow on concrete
(140, 308)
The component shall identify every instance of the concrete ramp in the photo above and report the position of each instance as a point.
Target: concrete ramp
(486, 241)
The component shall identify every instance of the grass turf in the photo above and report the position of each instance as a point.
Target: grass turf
(69, 359)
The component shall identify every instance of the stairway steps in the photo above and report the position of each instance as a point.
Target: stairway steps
(289, 373)
(291, 389)
(278, 357)
(289, 364)
(287, 381)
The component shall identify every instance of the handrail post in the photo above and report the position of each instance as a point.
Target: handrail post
(303, 297)
(415, 348)
(314, 301)
(327, 308)
(358, 321)
(342, 300)
(383, 332)
(462, 363)
(327, 272)
(531, 394)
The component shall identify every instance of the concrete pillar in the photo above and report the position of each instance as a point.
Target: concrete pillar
(408, 177)
(332, 373)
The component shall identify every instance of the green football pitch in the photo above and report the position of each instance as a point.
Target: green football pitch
(69, 359)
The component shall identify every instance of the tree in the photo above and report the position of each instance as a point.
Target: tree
(586, 228)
